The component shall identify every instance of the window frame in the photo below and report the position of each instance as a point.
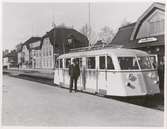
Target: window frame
(139, 69)
(104, 61)
(66, 62)
(60, 63)
(88, 65)
(112, 63)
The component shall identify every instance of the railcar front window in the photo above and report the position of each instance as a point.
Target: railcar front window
(144, 62)
(110, 64)
(128, 63)
(153, 61)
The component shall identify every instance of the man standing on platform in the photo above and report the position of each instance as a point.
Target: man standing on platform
(74, 72)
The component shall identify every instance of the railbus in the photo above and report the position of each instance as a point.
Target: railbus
(111, 72)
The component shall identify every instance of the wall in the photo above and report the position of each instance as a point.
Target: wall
(47, 54)
(153, 25)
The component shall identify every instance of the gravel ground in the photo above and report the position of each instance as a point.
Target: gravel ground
(27, 103)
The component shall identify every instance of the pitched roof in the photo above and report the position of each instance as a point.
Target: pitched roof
(31, 40)
(123, 38)
(123, 35)
(61, 34)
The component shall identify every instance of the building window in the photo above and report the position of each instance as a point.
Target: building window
(50, 52)
(43, 52)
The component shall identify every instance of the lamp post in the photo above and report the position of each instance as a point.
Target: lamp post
(70, 41)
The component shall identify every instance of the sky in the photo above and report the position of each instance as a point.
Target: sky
(21, 21)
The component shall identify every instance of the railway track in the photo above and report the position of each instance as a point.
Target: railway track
(153, 102)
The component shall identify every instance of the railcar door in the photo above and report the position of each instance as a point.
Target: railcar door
(56, 73)
(61, 73)
(113, 78)
(102, 75)
(67, 62)
(91, 75)
(79, 82)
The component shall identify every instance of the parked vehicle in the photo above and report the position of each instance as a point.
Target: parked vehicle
(111, 71)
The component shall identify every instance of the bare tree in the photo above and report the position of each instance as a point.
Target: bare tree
(89, 33)
(62, 25)
(18, 47)
(85, 30)
(125, 22)
(106, 34)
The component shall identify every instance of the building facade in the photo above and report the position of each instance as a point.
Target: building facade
(146, 34)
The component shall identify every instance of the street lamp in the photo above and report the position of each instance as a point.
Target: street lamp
(70, 41)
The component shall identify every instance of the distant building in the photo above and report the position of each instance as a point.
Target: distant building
(26, 53)
(5, 52)
(5, 62)
(10, 60)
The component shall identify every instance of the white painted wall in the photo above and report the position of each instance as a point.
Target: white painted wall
(153, 25)
(47, 54)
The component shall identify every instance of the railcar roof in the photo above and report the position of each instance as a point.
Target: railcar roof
(109, 51)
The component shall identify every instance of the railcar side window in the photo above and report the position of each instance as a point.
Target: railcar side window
(110, 64)
(57, 64)
(79, 61)
(127, 63)
(68, 62)
(91, 62)
(61, 63)
(102, 62)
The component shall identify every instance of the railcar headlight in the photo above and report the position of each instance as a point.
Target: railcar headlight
(156, 82)
(152, 75)
(132, 77)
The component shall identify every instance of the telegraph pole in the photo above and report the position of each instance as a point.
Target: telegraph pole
(54, 41)
(89, 24)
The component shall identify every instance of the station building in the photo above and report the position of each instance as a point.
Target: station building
(146, 34)
(41, 52)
